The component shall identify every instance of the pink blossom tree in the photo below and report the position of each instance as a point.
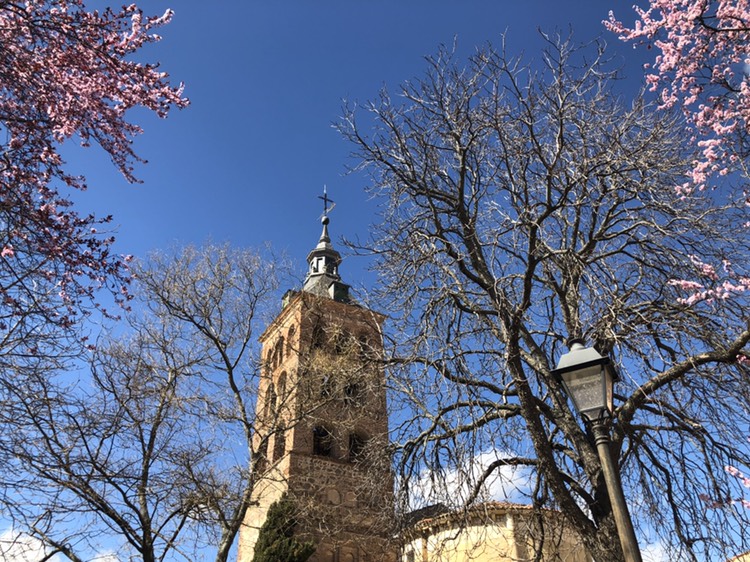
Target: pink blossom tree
(714, 503)
(66, 73)
(701, 66)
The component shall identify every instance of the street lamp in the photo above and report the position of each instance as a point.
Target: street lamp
(588, 379)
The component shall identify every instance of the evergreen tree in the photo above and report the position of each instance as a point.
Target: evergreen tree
(276, 542)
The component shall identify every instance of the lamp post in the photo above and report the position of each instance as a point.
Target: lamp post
(588, 379)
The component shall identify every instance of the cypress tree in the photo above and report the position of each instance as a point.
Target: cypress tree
(276, 542)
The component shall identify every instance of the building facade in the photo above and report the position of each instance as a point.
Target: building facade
(492, 532)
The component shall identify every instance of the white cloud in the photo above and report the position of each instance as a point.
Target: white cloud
(18, 547)
(655, 552)
(105, 557)
(453, 487)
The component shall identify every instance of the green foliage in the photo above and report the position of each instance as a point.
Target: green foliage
(276, 542)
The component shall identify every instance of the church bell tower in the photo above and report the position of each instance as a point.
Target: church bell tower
(322, 425)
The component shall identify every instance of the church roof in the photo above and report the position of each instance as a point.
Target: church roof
(421, 514)
(440, 514)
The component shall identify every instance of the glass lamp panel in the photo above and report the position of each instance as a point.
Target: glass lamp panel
(608, 380)
(587, 389)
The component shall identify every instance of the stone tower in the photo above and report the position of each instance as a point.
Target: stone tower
(322, 424)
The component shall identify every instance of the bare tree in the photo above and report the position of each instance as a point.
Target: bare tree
(157, 452)
(524, 205)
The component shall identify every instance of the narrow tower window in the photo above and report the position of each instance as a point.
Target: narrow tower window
(290, 340)
(269, 409)
(357, 444)
(279, 444)
(353, 393)
(278, 352)
(322, 442)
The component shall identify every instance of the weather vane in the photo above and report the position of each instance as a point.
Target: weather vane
(326, 201)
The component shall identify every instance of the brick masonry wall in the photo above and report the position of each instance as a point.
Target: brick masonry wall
(318, 350)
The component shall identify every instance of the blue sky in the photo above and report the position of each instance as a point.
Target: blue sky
(247, 160)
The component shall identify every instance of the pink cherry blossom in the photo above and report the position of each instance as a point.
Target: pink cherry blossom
(714, 287)
(701, 65)
(713, 503)
(67, 73)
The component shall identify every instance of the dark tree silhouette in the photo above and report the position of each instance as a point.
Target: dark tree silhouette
(276, 541)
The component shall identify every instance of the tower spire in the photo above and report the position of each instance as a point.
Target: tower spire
(323, 262)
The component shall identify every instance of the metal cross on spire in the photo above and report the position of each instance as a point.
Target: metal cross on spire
(326, 201)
